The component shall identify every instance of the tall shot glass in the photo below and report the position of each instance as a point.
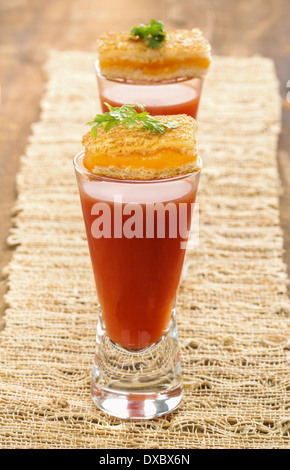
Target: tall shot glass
(178, 96)
(137, 232)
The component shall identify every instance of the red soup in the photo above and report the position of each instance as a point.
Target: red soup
(137, 252)
(176, 98)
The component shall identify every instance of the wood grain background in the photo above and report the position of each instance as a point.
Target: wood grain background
(29, 28)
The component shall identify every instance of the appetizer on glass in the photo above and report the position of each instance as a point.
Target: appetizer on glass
(164, 70)
(137, 178)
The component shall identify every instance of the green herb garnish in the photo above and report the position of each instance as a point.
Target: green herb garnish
(128, 116)
(153, 33)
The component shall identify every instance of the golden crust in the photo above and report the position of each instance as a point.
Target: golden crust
(140, 154)
(184, 53)
(121, 140)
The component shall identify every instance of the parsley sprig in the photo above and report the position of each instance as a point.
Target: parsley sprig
(153, 33)
(128, 116)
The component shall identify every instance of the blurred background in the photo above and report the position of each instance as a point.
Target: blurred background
(30, 28)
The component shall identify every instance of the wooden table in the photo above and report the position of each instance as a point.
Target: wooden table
(29, 29)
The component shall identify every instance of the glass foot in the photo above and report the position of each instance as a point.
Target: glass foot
(137, 384)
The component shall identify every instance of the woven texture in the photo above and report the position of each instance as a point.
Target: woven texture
(233, 309)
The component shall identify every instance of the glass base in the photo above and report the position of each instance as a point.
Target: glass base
(137, 384)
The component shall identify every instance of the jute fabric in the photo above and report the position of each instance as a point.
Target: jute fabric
(233, 310)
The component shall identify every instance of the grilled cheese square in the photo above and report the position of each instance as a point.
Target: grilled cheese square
(140, 154)
(183, 54)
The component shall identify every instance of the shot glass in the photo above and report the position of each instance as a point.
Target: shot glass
(137, 231)
(179, 96)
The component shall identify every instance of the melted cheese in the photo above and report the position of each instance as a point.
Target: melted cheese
(155, 161)
(170, 64)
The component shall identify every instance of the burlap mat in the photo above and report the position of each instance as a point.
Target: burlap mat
(233, 311)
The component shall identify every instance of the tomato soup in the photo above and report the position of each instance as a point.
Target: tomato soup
(176, 98)
(137, 266)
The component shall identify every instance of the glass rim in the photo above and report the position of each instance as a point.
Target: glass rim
(86, 172)
(125, 81)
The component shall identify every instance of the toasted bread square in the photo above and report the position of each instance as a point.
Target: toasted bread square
(135, 153)
(184, 54)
